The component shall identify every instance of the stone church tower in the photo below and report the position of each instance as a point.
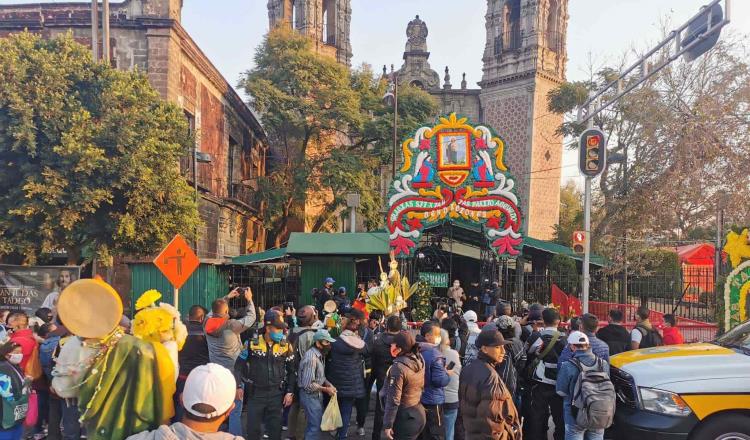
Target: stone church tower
(524, 58)
(326, 22)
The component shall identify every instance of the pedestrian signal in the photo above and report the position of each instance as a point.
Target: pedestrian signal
(593, 152)
(579, 242)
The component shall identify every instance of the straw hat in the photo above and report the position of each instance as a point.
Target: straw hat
(90, 308)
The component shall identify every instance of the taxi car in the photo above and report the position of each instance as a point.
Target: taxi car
(693, 391)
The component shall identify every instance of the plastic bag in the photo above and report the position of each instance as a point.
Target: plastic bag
(332, 416)
(32, 414)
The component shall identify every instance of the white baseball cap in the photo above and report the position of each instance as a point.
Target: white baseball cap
(470, 316)
(211, 385)
(578, 338)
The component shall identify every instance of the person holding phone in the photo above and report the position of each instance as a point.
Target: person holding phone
(225, 345)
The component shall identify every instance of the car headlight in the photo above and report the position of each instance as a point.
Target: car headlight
(664, 402)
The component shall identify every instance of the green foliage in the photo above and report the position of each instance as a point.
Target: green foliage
(564, 272)
(329, 129)
(571, 214)
(661, 261)
(422, 310)
(89, 155)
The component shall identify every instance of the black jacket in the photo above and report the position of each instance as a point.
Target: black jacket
(486, 405)
(380, 354)
(195, 350)
(265, 370)
(616, 336)
(345, 366)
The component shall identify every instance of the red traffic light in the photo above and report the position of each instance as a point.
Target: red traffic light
(592, 152)
(579, 242)
(593, 141)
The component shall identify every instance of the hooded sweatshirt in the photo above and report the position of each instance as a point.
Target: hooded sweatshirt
(672, 336)
(223, 336)
(178, 431)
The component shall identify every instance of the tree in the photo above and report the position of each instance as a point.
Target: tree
(330, 132)
(89, 156)
(685, 133)
(571, 213)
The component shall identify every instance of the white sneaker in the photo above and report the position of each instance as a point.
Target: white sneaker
(284, 428)
(361, 432)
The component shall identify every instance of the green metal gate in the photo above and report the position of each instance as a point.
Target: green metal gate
(205, 285)
(316, 269)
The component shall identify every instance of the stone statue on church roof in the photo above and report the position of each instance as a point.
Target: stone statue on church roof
(416, 32)
(416, 70)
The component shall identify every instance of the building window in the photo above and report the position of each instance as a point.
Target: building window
(329, 22)
(512, 25)
(498, 44)
(553, 32)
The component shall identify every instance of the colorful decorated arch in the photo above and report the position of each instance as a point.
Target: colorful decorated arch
(454, 171)
(737, 283)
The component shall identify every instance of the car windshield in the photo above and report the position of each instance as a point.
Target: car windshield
(738, 337)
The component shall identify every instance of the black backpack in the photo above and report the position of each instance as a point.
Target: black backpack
(651, 337)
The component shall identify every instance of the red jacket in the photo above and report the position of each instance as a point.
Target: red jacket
(672, 336)
(24, 338)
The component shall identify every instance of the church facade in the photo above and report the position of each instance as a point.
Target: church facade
(524, 59)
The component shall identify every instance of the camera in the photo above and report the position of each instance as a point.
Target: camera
(241, 290)
(288, 305)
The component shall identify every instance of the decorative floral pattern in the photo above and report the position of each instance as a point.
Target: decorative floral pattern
(442, 182)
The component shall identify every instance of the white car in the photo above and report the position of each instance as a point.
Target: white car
(693, 391)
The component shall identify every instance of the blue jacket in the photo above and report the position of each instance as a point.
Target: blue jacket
(435, 376)
(567, 376)
(598, 347)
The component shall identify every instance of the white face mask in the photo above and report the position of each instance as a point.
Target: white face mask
(15, 358)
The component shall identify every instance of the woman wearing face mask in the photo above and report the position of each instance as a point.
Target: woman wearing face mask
(14, 391)
(345, 368)
(403, 415)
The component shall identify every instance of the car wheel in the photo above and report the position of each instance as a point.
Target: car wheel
(728, 427)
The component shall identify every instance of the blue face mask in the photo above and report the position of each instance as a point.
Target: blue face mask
(277, 337)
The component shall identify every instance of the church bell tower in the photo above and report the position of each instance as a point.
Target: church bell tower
(524, 59)
(326, 22)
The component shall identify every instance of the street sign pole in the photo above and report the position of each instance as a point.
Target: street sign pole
(176, 298)
(586, 244)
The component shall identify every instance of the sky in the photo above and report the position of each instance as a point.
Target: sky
(600, 32)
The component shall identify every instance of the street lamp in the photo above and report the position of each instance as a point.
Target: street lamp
(391, 99)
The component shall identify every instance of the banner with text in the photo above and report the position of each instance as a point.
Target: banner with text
(27, 287)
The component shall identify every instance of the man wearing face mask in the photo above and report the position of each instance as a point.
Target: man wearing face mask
(436, 378)
(345, 368)
(269, 376)
(313, 383)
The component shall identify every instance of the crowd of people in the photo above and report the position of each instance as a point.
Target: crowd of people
(455, 376)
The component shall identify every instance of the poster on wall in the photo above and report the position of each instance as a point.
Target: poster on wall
(27, 288)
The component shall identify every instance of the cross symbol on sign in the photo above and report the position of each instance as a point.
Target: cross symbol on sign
(177, 261)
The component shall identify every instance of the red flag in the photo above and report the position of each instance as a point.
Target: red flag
(576, 308)
(560, 300)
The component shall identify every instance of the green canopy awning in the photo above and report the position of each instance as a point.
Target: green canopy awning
(358, 243)
(556, 248)
(259, 257)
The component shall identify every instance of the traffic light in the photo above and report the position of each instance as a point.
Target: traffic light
(592, 152)
(703, 32)
(579, 242)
